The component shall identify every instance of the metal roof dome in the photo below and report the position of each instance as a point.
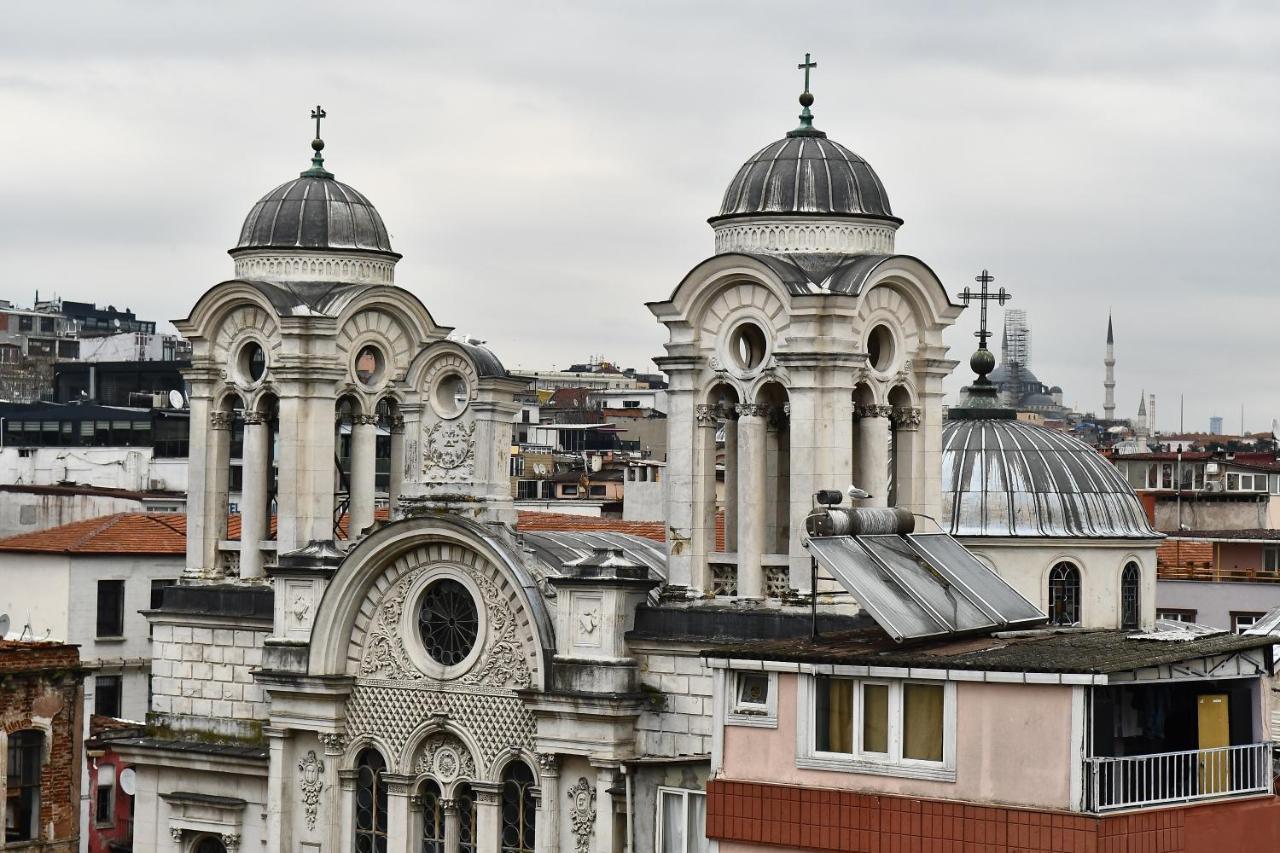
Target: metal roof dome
(1012, 478)
(314, 211)
(804, 173)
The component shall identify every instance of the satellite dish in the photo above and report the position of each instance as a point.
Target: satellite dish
(176, 399)
(4, 625)
(127, 780)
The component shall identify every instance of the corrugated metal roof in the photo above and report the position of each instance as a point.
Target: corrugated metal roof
(314, 212)
(1012, 478)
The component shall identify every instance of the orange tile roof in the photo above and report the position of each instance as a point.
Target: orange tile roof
(558, 522)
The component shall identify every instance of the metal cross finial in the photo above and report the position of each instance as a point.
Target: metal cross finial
(805, 66)
(317, 114)
(982, 297)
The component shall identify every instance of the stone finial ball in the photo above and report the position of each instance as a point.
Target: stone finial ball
(317, 144)
(982, 362)
(806, 99)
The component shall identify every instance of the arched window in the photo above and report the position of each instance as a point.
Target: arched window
(432, 818)
(211, 844)
(465, 799)
(371, 803)
(1064, 594)
(1130, 597)
(25, 763)
(518, 809)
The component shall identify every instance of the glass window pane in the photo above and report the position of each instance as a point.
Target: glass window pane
(672, 823)
(697, 809)
(833, 715)
(922, 721)
(875, 718)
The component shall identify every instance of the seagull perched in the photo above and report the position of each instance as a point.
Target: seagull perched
(857, 494)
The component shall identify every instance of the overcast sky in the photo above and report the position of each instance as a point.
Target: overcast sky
(546, 168)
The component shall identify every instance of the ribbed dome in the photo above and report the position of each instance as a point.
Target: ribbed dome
(1011, 478)
(806, 175)
(313, 211)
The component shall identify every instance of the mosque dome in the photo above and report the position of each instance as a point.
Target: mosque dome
(805, 194)
(1005, 477)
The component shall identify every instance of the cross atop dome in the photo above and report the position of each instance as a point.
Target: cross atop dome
(317, 145)
(806, 127)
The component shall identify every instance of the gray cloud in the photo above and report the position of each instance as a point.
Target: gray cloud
(547, 168)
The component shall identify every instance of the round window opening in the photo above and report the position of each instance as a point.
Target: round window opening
(451, 395)
(369, 364)
(880, 348)
(253, 362)
(448, 622)
(747, 346)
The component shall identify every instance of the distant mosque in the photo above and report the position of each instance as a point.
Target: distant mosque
(1019, 388)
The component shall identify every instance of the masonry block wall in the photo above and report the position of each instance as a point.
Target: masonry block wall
(749, 817)
(680, 720)
(40, 689)
(206, 672)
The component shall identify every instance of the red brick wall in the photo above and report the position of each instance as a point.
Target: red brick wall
(43, 681)
(820, 819)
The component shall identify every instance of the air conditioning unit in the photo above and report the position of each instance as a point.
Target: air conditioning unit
(157, 486)
(1215, 486)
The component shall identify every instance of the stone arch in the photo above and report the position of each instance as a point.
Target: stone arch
(366, 740)
(435, 735)
(500, 764)
(361, 598)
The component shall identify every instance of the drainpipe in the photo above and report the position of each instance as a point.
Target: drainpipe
(630, 848)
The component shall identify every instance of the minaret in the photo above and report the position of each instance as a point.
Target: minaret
(1109, 402)
(1141, 425)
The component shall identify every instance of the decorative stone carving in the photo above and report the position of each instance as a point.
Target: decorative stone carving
(548, 764)
(252, 418)
(220, 420)
(906, 417)
(447, 757)
(786, 237)
(315, 267)
(410, 457)
(448, 452)
(231, 841)
(705, 415)
(365, 420)
(175, 832)
(872, 410)
(335, 743)
(397, 423)
(715, 364)
(311, 784)
(582, 813)
(752, 410)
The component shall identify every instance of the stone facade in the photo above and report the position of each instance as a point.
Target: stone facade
(678, 722)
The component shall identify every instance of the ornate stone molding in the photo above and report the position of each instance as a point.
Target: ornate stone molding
(705, 415)
(872, 410)
(447, 757)
(752, 410)
(335, 743)
(582, 813)
(790, 236)
(308, 267)
(310, 784)
(364, 420)
(906, 417)
(449, 452)
(252, 418)
(397, 424)
(231, 841)
(548, 764)
(220, 420)
(175, 832)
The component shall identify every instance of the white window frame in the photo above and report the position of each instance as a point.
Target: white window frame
(739, 713)
(810, 758)
(1271, 558)
(685, 794)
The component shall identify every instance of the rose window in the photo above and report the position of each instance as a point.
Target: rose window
(448, 622)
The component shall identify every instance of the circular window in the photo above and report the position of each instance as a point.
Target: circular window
(448, 622)
(369, 365)
(880, 348)
(451, 395)
(747, 346)
(252, 362)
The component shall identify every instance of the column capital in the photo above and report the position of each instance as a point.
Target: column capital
(487, 792)
(906, 417)
(549, 764)
(364, 420)
(872, 410)
(752, 410)
(252, 418)
(705, 415)
(398, 784)
(231, 841)
(397, 424)
(335, 743)
(220, 420)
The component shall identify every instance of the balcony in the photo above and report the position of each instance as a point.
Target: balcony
(1140, 781)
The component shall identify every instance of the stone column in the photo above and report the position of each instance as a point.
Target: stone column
(548, 832)
(906, 474)
(396, 481)
(255, 483)
(334, 818)
(681, 478)
(873, 452)
(208, 498)
(704, 531)
(399, 789)
(730, 482)
(306, 469)
(452, 830)
(604, 810)
(346, 812)
(277, 827)
(751, 498)
(488, 815)
(364, 459)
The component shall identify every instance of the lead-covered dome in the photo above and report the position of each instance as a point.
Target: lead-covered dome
(314, 211)
(1012, 478)
(806, 174)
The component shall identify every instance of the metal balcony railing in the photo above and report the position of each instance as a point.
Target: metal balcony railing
(1175, 777)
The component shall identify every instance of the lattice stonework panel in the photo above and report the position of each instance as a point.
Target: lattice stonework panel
(777, 583)
(394, 711)
(724, 580)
